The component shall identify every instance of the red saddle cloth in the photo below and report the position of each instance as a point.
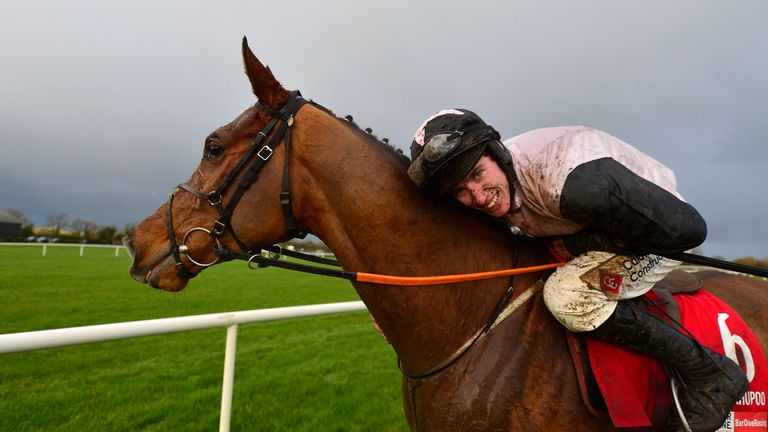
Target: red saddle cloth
(637, 391)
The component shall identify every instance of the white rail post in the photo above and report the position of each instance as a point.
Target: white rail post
(117, 251)
(82, 247)
(44, 248)
(229, 379)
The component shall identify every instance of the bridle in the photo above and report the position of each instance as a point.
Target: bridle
(257, 154)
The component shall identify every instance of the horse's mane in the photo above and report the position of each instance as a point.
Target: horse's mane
(367, 134)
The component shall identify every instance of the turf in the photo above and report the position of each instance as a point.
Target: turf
(330, 373)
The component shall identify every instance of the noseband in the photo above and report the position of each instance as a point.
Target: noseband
(258, 155)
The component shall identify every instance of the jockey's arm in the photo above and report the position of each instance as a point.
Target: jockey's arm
(624, 213)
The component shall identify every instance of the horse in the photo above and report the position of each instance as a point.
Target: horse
(323, 175)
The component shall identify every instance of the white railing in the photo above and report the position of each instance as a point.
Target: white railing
(117, 248)
(28, 341)
(82, 246)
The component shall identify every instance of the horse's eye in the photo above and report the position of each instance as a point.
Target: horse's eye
(214, 151)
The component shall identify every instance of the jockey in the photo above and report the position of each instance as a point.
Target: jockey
(610, 211)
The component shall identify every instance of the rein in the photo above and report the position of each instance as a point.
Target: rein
(262, 259)
(262, 155)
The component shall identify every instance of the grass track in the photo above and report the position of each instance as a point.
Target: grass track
(326, 373)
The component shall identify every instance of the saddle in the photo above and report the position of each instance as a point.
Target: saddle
(634, 391)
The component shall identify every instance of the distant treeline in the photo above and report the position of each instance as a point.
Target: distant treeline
(753, 261)
(59, 228)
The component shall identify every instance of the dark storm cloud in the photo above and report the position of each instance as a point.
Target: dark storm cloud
(104, 105)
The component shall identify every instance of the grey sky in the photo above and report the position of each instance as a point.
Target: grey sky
(104, 105)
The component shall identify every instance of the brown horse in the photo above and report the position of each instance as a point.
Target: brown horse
(353, 192)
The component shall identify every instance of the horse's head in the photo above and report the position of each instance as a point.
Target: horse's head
(179, 239)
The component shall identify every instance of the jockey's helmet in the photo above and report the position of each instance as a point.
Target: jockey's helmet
(448, 145)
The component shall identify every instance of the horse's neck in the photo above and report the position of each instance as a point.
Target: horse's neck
(357, 198)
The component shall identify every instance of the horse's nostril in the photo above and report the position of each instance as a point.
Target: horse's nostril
(128, 242)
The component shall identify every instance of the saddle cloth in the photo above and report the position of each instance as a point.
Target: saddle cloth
(635, 390)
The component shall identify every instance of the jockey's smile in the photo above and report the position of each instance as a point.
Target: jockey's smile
(485, 188)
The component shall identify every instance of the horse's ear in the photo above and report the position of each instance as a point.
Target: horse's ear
(266, 88)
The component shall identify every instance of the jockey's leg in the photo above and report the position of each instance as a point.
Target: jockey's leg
(713, 383)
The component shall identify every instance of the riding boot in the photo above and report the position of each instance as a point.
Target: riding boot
(712, 383)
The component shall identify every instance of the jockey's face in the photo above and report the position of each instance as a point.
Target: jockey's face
(485, 188)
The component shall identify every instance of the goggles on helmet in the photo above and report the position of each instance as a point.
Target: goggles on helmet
(439, 146)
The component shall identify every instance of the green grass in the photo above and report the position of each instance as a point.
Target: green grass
(330, 373)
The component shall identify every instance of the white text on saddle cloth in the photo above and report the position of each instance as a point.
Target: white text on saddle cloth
(741, 420)
(729, 344)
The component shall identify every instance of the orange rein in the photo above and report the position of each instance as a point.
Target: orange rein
(258, 261)
(447, 279)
